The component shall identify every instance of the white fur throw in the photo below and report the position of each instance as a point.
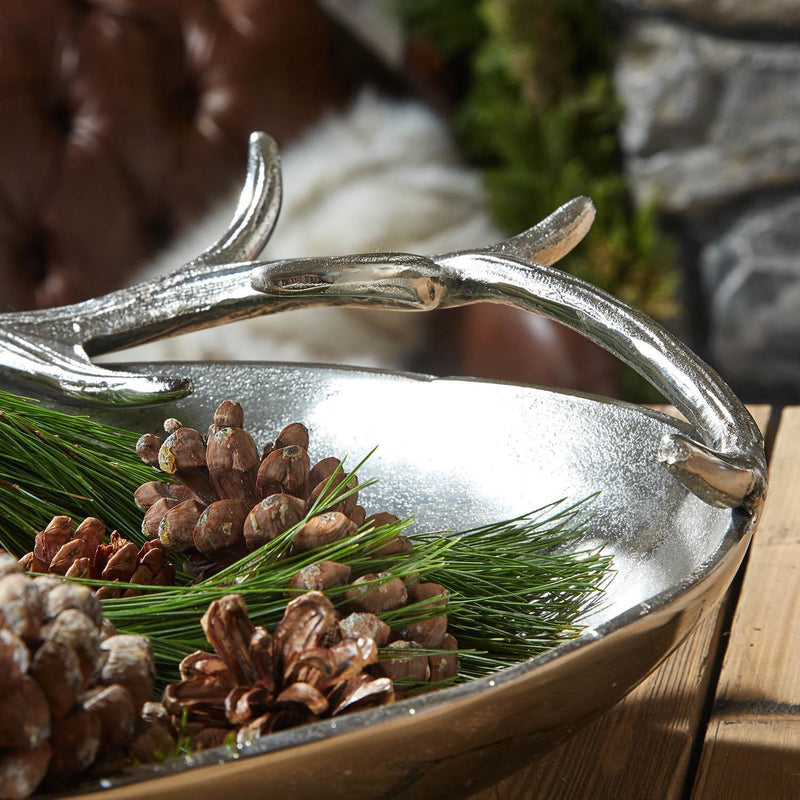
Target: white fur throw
(383, 176)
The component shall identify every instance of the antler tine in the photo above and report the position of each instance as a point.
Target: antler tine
(258, 208)
(551, 239)
(49, 348)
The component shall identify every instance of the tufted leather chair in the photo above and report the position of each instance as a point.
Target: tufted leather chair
(121, 120)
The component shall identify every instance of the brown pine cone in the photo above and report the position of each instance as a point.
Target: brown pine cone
(254, 683)
(82, 554)
(371, 595)
(217, 533)
(70, 694)
(227, 501)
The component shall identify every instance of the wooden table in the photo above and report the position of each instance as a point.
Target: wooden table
(720, 718)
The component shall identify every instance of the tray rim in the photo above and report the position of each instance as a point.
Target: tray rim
(737, 536)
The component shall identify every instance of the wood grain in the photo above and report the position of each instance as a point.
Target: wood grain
(641, 748)
(752, 744)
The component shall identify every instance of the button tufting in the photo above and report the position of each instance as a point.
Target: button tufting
(60, 116)
(110, 109)
(187, 100)
(158, 231)
(32, 258)
(81, 5)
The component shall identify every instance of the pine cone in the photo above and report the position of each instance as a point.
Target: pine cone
(72, 689)
(215, 534)
(82, 554)
(255, 683)
(373, 594)
(227, 501)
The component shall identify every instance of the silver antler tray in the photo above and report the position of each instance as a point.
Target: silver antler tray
(677, 505)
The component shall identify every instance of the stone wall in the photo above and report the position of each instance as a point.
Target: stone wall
(711, 134)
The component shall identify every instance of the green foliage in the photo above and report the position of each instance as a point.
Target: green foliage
(53, 463)
(454, 25)
(518, 588)
(540, 117)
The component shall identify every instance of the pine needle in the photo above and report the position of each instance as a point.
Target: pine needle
(517, 588)
(53, 463)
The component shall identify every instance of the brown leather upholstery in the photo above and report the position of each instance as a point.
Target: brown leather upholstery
(121, 119)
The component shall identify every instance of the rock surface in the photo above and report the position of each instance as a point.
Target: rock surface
(707, 118)
(711, 136)
(728, 14)
(752, 275)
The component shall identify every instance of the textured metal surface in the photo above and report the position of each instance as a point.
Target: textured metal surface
(51, 349)
(458, 453)
(677, 505)
(726, 467)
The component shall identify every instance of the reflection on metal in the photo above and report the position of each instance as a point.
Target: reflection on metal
(51, 348)
(458, 453)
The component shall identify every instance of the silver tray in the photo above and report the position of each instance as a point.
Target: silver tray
(678, 501)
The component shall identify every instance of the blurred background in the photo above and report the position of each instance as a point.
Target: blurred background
(424, 126)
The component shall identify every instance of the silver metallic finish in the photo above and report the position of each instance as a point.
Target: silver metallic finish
(727, 467)
(456, 453)
(52, 347)
(551, 239)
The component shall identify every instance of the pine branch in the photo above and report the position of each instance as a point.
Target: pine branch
(54, 463)
(517, 588)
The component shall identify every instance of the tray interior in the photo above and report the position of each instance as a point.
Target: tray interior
(460, 453)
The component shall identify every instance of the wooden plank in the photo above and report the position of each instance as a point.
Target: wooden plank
(752, 744)
(641, 748)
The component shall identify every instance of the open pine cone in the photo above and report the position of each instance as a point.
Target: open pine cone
(371, 595)
(211, 517)
(82, 554)
(228, 501)
(255, 683)
(72, 690)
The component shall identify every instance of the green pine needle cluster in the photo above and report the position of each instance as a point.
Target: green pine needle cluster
(53, 464)
(521, 587)
(517, 588)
